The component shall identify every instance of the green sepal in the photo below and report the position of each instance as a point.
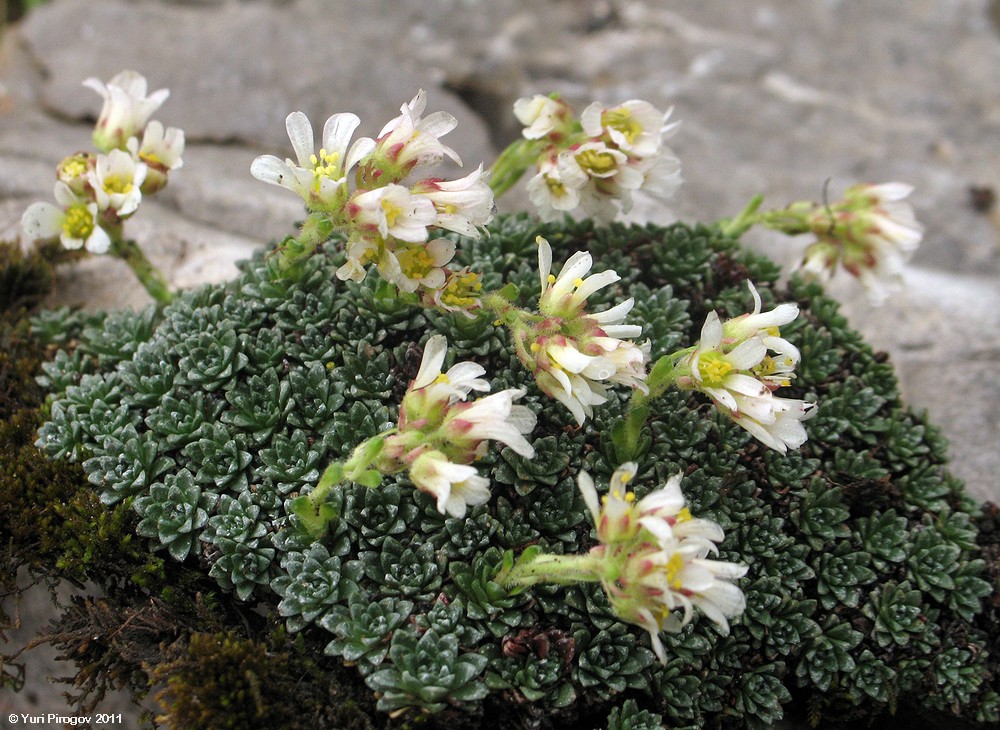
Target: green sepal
(510, 292)
(314, 517)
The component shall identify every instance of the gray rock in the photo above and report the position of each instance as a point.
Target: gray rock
(236, 71)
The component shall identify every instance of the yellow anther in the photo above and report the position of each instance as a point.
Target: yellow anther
(684, 515)
(74, 167)
(672, 568)
(555, 186)
(78, 222)
(551, 279)
(629, 496)
(597, 162)
(118, 184)
(578, 282)
(442, 378)
(714, 370)
(622, 121)
(773, 331)
(535, 347)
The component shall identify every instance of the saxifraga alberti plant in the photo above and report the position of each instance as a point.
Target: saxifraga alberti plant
(871, 590)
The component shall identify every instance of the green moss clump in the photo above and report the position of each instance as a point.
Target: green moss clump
(871, 586)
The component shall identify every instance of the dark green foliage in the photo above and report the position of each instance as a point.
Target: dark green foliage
(870, 586)
(313, 582)
(174, 512)
(411, 570)
(630, 717)
(428, 672)
(364, 630)
(610, 661)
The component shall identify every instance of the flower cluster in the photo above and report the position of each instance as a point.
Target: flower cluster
(440, 434)
(653, 559)
(732, 366)
(598, 162)
(573, 353)
(96, 192)
(872, 233)
(387, 223)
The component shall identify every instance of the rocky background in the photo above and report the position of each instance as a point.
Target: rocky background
(775, 98)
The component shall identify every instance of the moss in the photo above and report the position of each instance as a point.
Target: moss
(872, 582)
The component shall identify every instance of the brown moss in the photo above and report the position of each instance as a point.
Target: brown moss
(226, 680)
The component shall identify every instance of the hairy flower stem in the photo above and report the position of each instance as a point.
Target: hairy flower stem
(519, 321)
(313, 509)
(792, 220)
(150, 277)
(534, 567)
(315, 229)
(627, 433)
(512, 164)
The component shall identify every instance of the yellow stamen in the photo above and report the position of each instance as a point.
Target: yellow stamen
(78, 222)
(415, 262)
(596, 162)
(325, 165)
(118, 184)
(622, 121)
(555, 186)
(684, 515)
(713, 369)
(442, 378)
(672, 568)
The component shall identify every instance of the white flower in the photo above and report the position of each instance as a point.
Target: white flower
(541, 115)
(893, 235)
(635, 126)
(654, 555)
(729, 375)
(464, 205)
(117, 182)
(126, 108)
(319, 179)
(393, 211)
(578, 392)
(75, 222)
(602, 163)
(872, 233)
(573, 369)
(460, 380)
(160, 148)
(439, 433)
(494, 417)
(455, 486)
(423, 264)
(775, 422)
(409, 141)
(763, 324)
(555, 190)
(681, 577)
(661, 175)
